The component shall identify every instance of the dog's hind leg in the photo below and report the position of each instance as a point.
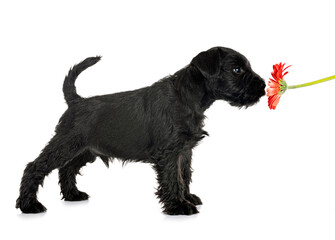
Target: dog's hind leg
(59, 150)
(67, 177)
(174, 185)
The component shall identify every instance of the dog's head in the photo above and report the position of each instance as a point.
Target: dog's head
(228, 76)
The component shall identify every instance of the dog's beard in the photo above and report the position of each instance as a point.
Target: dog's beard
(241, 99)
(248, 102)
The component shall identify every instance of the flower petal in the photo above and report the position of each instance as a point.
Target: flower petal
(274, 76)
(286, 67)
(272, 91)
(273, 101)
(273, 84)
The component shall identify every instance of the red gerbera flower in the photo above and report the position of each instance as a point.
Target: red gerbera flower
(277, 85)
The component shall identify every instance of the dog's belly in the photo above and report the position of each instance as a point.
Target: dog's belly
(125, 141)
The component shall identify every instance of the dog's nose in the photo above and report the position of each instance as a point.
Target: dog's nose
(260, 81)
(263, 87)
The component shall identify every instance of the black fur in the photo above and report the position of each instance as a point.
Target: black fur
(160, 125)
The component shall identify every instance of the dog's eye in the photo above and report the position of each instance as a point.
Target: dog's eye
(237, 70)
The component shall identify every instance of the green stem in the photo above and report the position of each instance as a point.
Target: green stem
(312, 83)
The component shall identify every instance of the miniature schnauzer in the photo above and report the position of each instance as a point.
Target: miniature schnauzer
(160, 125)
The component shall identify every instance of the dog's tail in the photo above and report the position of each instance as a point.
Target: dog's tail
(69, 89)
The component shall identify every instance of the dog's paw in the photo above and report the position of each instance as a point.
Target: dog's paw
(32, 206)
(194, 199)
(181, 208)
(75, 196)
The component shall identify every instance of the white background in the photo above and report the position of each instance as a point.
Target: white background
(261, 174)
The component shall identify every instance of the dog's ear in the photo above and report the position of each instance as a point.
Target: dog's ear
(208, 62)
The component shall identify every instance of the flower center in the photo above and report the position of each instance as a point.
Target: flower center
(282, 87)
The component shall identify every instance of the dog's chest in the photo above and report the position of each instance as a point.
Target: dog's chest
(191, 127)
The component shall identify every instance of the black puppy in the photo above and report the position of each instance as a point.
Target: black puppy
(160, 125)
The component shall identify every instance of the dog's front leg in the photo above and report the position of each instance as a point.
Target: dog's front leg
(173, 189)
(187, 176)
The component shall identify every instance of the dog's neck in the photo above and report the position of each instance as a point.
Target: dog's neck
(190, 85)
